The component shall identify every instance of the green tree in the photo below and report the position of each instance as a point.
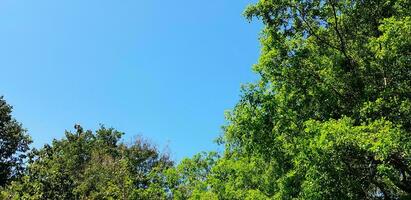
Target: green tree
(330, 116)
(189, 178)
(87, 165)
(14, 143)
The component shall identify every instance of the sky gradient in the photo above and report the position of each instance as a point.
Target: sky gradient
(166, 70)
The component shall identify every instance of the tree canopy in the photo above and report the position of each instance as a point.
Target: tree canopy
(14, 143)
(87, 165)
(329, 118)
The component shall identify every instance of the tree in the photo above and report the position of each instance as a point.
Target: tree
(330, 116)
(87, 165)
(14, 143)
(189, 178)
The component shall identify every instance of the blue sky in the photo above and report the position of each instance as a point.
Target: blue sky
(166, 70)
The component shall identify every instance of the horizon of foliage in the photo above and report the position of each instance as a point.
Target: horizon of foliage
(329, 118)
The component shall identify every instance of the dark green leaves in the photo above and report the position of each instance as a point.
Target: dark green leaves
(14, 143)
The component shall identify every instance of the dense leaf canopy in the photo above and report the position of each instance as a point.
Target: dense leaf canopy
(330, 116)
(13, 145)
(87, 165)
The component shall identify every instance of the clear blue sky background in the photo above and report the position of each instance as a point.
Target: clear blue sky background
(164, 69)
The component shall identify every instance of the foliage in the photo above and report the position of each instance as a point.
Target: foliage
(330, 116)
(87, 165)
(14, 143)
(187, 180)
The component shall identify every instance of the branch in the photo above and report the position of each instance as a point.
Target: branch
(311, 30)
(342, 43)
